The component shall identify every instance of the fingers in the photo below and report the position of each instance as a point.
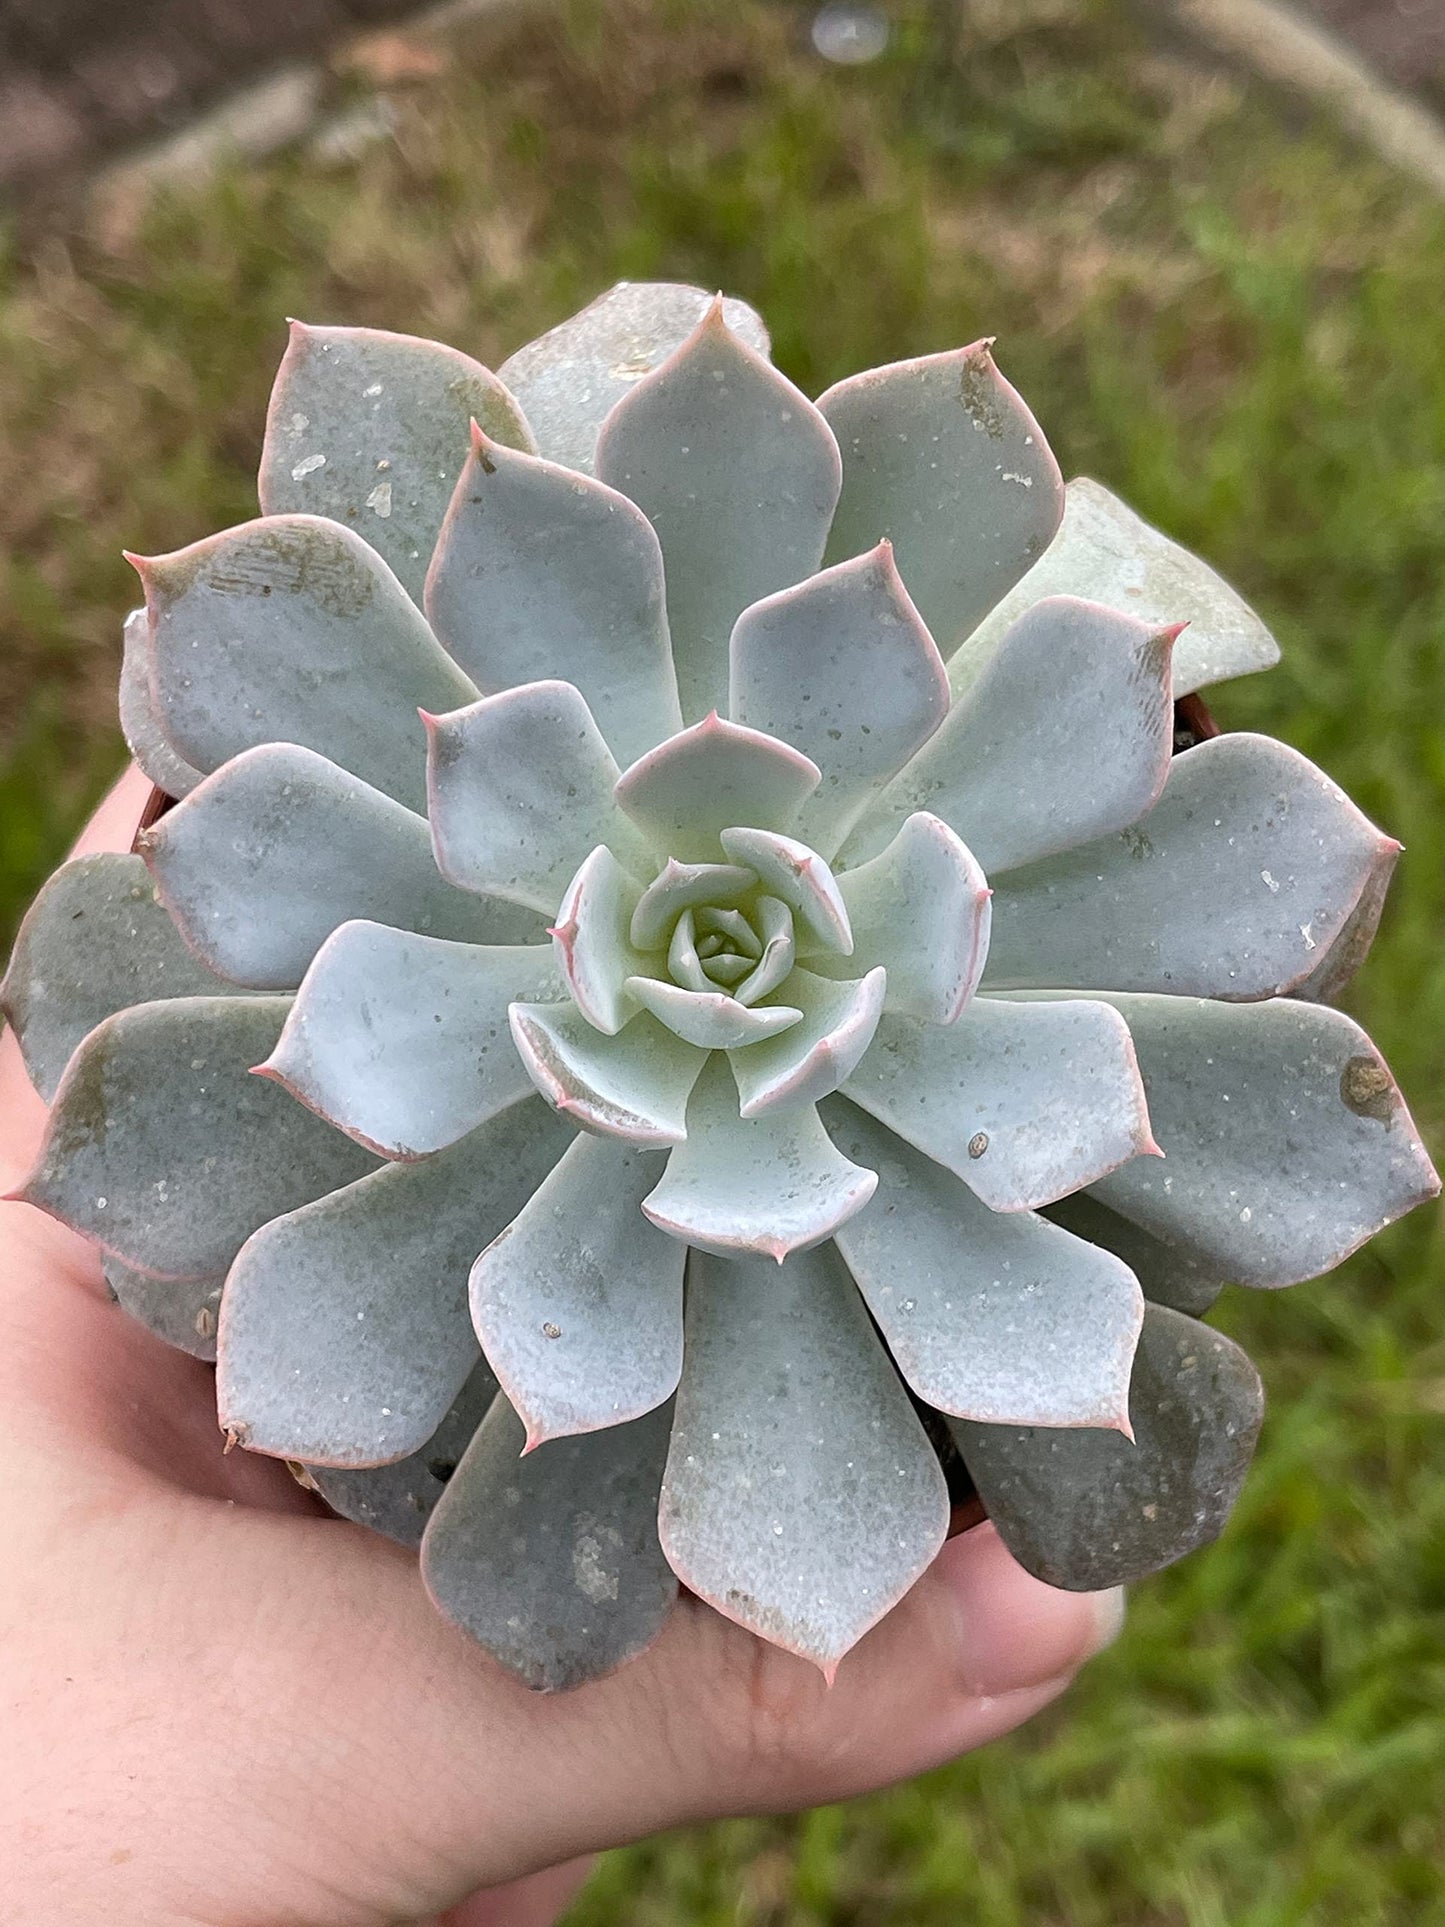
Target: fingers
(537, 1900)
(117, 816)
(457, 1778)
(976, 1648)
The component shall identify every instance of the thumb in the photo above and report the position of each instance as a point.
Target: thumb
(712, 1722)
(976, 1648)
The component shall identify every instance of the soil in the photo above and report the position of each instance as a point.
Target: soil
(80, 79)
(83, 78)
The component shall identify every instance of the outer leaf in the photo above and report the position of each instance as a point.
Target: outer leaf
(1087, 1509)
(1236, 882)
(765, 1186)
(1286, 1142)
(370, 428)
(811, 1061)
(521, 793)
(738, 473)
(794, 1447)
(139, 723)
(401, 1041)
(991, 1316)
(345, 1336)
(270, 854)
(552, 1562)
(93, 942)
(920, 909)
(1023, 1101)
(941, 455)
(166, 1153)
(841, 667)
(1327, 981)
(292, 630)
(633, 1086)
(541, 573)
(570, 377)
(398, 1499)
(180, 1311)
(1106, 553)
(1173, 1275)
(1072, 688)
(578, 1303)
(684, 793)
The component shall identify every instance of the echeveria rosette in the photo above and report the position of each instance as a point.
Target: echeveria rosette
(763, 1037)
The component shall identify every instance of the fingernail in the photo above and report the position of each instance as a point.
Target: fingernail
(1012, 1631)
(1109, 1610)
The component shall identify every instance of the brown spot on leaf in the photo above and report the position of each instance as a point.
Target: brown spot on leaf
(979, 396)
(1367, 1089)
(297, 561)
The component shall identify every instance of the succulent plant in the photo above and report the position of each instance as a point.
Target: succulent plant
(824, 1047)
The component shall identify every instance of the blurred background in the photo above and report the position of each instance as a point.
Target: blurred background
(1221, 299)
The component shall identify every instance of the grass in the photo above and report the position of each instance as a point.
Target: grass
(1233, 321)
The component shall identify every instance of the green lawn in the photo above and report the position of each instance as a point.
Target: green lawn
(1234, 322)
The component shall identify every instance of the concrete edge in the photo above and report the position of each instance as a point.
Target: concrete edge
(1281, 46)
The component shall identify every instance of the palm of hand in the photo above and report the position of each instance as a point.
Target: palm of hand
(229, 1707)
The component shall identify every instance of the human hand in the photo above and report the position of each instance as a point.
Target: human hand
(224, 1706)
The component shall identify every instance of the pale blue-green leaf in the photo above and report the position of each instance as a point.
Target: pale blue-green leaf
(739, 475)
(93, 942)
(164, 1151)
(634, 1085)
(398, 1499)
(1106, 553)
(777, 950)
(685, 792)
(345, 1334)
(1286, 1142)
(594, 951)
(809, 1062)
(578, 1303)
(541, 572)
(710, 1018)
(920, 908)
(802, 1497)
(263, 861)
(682, 886)
(941, 455)
(180, 1311)
(292, 630)
(139, 723)
(551, 1561)
(1234, 885)
(684, 961)
(842, 667)
(754, 1187)
(1023, 1101)
(370, 428)
(800, 877)
(520, 786)
(1330, 976)
(1090, 1509)
(569, 378)
(1168, 1274)
(989, 1315)
(1064, 737)
(402, 1041)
